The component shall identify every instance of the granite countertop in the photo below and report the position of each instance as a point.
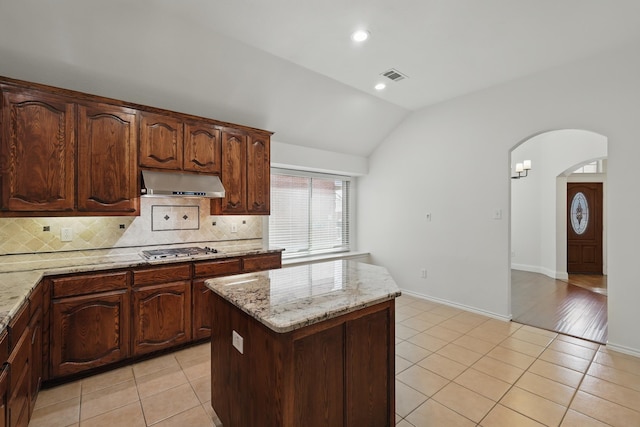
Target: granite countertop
(293, 297)
(19, 274)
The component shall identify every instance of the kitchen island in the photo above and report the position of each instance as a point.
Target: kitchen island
(310, 345)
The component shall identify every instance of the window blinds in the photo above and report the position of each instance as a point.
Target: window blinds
(309, 213)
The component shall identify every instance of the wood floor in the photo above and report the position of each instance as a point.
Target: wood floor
(579, 309)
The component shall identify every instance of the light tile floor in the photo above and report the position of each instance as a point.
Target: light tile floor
(453, 368)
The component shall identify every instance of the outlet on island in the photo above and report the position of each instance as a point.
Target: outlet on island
(237, 341)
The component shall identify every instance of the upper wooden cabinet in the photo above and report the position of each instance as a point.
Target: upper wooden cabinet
(37, 152)
(66, 153)
(107, 153)
(234, 172)
(258, 175)
(166, 142)
(201, 147)
(246, 175)
(60, 156)
(160, 141)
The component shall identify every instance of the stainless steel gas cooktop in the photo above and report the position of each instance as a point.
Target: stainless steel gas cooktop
(191, 251)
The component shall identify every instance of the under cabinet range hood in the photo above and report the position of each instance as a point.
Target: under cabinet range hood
(178, 184)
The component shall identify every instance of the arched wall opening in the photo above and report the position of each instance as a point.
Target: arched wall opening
(538, 202)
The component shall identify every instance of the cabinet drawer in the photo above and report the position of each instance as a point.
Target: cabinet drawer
(18, 325)
(218, 268)
(152, 276)
(80, 285)
(261, 262)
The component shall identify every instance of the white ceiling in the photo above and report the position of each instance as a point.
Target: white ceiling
(289, 65)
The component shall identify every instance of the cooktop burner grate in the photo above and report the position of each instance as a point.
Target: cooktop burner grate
(177, 252)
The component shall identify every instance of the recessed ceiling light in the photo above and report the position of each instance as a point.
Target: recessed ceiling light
(360, 36)
(380, 86)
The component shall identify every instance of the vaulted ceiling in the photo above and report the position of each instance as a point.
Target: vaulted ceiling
(289, 66)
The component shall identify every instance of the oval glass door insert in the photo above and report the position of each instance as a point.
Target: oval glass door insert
(579, 213)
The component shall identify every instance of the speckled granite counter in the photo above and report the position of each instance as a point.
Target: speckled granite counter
(19, 274)
(294, 297)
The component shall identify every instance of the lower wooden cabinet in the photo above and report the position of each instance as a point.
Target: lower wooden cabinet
(161, 299)
(162, 316)
(20, 379)
(201, 310)
(89, 331)
(35, 335)
(202, 298)
(261, 262)
(4, 394)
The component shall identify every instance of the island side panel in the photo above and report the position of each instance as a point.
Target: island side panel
(320, 375)
(370, 368)
(246, 388)
(319, 378)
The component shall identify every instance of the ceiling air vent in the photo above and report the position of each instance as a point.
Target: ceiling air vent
(395, 75)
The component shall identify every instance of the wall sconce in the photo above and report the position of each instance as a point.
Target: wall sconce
(522, 169)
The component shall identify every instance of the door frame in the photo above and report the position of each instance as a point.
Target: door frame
(561, 219)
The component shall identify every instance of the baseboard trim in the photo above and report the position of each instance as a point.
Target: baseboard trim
(623, 349)
(460, 306)
(541, 270)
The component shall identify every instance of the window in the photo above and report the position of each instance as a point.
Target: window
(309, 213)
(593, 167)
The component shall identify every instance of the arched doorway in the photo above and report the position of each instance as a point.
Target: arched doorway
(541, 292)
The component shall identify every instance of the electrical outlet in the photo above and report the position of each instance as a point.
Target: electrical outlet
(423, 273)
(238, 341)
(66, 234)
(234, 227)
(429, 217)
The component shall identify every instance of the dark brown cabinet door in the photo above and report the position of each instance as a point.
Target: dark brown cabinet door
(107, 172)
(201, 148)
(202, 306)
(37, 152)
(162, 316)
(258, 175)
(161, 141)
(35, 330)
(89, 331)
(18, 406)
(584, 228)
(234, 172)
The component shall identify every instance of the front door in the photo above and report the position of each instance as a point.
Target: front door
(584, 227)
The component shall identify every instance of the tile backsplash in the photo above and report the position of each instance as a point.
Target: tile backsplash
(174, 220)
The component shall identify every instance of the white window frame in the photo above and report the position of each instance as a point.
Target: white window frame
(350, 217)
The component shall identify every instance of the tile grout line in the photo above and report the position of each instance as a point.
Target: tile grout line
(135, 381)
(465, 370)
(547, 346)
(575, 392)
